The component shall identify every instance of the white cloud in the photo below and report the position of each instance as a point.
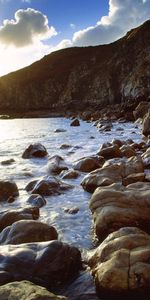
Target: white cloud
(73, 26)
(123, 15)
(28, 27)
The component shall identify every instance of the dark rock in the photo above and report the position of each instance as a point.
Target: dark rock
(75, 122)
(8, 189)
(70, 174)
(9, 217)
(58, 130)
(24, 290)
(56, 165)
(50, 264)
(27, 231)
(65, 146)
(36, 200)
(7, 162)
(35, 150)
(72, 210)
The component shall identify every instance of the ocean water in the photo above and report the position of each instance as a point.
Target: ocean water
(17, 134)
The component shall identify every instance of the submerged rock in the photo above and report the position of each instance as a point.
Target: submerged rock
(9, 217)
(7, 162)
(50, 264)
(120, 265)
(75, 122)
(35, 150)
(8, 189)
(36, 200)
(27, 231)
(56, 165)
(117, 206)
(26, 290)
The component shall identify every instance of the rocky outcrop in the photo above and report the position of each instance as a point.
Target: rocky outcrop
(116, 206)
(120, 265)
(49, 264)
(26, 290)
(91, 78)
(27, 231)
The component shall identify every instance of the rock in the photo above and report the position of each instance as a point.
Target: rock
(146, 125)
(65, 146)
(24, 290)
(70, 174)
(88, 164)
(133, 178)
(120, 265)
(106, 127)
(127, 151)
(36, 200)
(72, 210)
(35, 150)
(117, 142)
(141, 110)
(75, 122)
(110, 152)
(56, 165)
(7, 162)
(9, 217)
(8, 189)
(103, 177)
(47, 186)
(27, 231)
(117, 206)
(58, 130)
(50, 264)
(134, 165)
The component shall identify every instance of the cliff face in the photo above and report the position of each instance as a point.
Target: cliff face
(78, 78)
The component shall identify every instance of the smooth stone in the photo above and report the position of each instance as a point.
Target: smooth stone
(65, 146)
(26, 290)
(35, 150)
(58, 130)
(70, 174)
(110, 152)
(120, 265)
(88, 164)
(133, 178)
(72, 210)
(11, 216)
(127, 151)
(75, 122)
(8, 189)
(7, 162)
(36, 200)
(27, 231)
(56, 164)
(50, 264)
(118, 206)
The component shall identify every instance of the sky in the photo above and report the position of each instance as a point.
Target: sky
(30, 29)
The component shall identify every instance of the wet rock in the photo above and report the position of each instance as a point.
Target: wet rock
(72, 210)
(58, 130)
(7, 162)
(47, 186)
(50, 264)
(88, 164)
(103, 177)
(134, 165)
(56, 165)
(8, 189)
(65, 146)
(75, 122)
(127, 151)
(132, 178)
(70, 174)
(117, 206)
(110, 152)
(27, 231)
(24, 290)
(117, 142)
(146, 125)
(36, 200)
(35, 150)
(120, 265)
(9, 217)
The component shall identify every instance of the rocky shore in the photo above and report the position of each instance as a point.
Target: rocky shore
(36, 264)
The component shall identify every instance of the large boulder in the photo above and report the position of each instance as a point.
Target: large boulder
(49, 264)
(27, 231)
(146, 125)
(112, 173)
(56, 165)
(118, 206)
(11, 216)
(26, 290)
(8, 189)
(121, 265)
(88, 164)
(35, 150)
(47, 186)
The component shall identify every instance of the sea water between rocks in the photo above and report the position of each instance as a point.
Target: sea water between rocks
(17, 134)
